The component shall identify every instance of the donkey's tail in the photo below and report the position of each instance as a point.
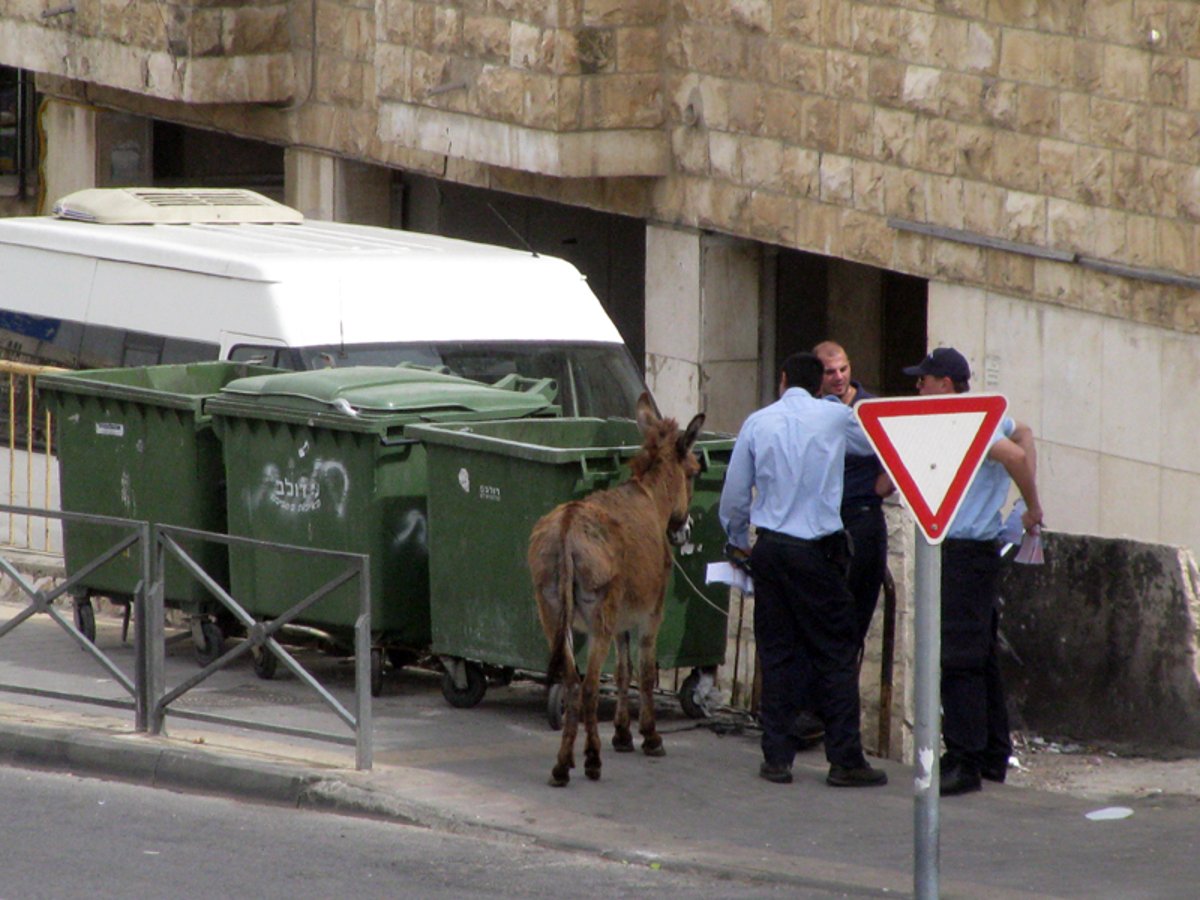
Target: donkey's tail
(561, 652)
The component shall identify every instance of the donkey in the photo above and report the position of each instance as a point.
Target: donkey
(600, 566)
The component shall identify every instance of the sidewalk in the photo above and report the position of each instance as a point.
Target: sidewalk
(701, 808)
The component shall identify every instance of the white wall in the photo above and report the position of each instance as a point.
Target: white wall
(1113, 404)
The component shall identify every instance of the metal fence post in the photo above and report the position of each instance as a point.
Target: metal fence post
(362, 670)
(153, 629)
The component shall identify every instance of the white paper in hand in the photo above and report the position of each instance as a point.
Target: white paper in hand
(1031, 553)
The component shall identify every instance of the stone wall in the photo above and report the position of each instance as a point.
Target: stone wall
(1104, 643)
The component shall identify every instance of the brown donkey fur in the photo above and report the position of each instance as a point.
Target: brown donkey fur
(600, 566)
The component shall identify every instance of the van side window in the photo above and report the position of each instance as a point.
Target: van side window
(265, 355)
(180, 350)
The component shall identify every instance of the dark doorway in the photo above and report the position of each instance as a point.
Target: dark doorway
(877, 315)
(610, 250)
(193, 157)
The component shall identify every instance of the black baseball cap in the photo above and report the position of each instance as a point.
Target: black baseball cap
(944, 362)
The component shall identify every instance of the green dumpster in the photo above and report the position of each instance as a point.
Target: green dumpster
(489, 483)
(136, 443)
(321, 459)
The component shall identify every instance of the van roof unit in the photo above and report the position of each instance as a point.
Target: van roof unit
(174, 206)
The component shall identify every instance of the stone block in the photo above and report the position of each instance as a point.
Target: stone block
(1176, 248)
(1111, 21)
(447, 30)
(1093, 176)
(689, 147)
(1125, 74)
(1015, 162)
(1111, 233)
(723, 156)
(776, 112)
(983, 207)
(895, 134)
(762, 163)
(1151, 131)
(904, 193)
(981, 54)
(1059, 282)
(799, 20)
(800, 170)
(486, 38)
(885, 82)
(639, 50)
(619, 12)
(596, 49)
(570, 103)
(846, 74)
(524, 46)
(1058, 67)
(1037, 109)
(922, 90)
(1056, 159)
(500, 93)
(1140, 243)
(855, 125)
(1181, 137)
(772, 217)
(714, 95)
(623, 101)
(875, 30)
(1070, 226)
(837, 179)
(204, 35)
(1075, 117)
(541, 101)
(1024, 218)
(1022, 55)
(999, 103)
(976, 149)
(1168, 82)
(869, 181)
(747, 103)
(1010, 272)
(1115, 124)
(798, 66)
(1089, 62)
(950, 45)
(1189, 194)
(392, 66)
(963, 97)
(820, 123)
(866, 238)
(944, 203)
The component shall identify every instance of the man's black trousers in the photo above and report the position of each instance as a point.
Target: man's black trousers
(803, 613)
(974, 714)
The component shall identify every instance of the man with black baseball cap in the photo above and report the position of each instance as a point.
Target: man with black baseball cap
(944, 362)
(974, 715)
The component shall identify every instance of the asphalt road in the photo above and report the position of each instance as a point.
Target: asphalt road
(68, 837)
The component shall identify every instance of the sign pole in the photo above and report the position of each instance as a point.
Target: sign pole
(927, 665)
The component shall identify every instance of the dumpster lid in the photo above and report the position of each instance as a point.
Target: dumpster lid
(374, 391)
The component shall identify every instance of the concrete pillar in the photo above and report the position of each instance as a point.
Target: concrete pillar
(702, 324)
(333, 189)
(69, 153)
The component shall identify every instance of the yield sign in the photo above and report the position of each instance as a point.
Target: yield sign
(931, 448)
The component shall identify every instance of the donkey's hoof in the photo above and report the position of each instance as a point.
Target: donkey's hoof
(623, 742)
(592, 772)
(654, 747)
(560, 776)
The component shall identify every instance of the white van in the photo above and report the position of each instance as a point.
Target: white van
(140, 276)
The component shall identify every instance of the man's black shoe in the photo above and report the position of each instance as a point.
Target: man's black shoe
(996, 772)
(959, 778)
(859, 776)
(807, 730)
(776, 774)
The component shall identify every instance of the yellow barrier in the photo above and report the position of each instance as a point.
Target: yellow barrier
(36, 443)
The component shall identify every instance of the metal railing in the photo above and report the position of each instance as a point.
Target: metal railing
(28, 456)
(151, 698)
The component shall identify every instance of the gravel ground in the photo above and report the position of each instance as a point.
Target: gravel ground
(1100, 773)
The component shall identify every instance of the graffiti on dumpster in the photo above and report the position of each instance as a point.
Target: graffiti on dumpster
(324, 484)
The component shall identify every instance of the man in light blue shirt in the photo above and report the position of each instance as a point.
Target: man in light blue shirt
(785, 479)
(974, 713)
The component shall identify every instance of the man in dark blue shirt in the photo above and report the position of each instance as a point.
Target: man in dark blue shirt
(862, 504)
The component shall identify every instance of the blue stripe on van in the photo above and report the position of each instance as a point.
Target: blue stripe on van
(31, 326)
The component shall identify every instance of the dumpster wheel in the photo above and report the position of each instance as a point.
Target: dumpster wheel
(210, 643)
(555, 705)
(265, 662)
(472, 693)
(687, 697)
(85, 618)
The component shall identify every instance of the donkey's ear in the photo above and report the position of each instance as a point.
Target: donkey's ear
(647, 418)
(689, 437)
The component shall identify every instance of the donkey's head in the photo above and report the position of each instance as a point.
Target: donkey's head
(668, 465)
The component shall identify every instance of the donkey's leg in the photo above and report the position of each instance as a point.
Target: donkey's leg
(652, 744)
(622, 738)
(561, 773)
(597, 654)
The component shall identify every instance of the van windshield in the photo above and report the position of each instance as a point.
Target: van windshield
(594, 379)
